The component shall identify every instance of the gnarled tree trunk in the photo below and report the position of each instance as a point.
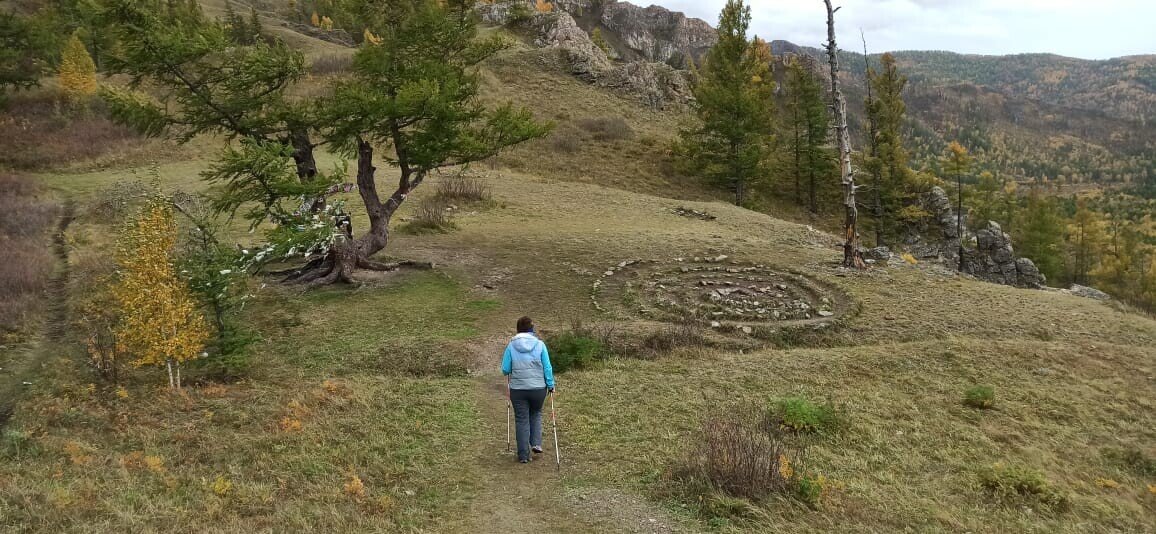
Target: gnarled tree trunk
(348, 256)
(851, 256)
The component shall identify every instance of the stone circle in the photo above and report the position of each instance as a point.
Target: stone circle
(715, 291)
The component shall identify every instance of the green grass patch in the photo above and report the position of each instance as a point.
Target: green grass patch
(980, 397)
(802, 415)
(575, 350)
(374, 328)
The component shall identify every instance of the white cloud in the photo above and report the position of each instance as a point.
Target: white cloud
(1078, 28)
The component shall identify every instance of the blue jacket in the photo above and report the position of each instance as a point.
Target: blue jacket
(527, 363)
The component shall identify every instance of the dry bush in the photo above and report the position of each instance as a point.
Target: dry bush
(330, 64)
(739, 456)
(463, 188)
(607, 128)
(673, 337)
(42, 135)
(566, 139)
(432, 216)
(111, 204)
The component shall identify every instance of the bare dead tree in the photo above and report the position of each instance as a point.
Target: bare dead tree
(851, 256)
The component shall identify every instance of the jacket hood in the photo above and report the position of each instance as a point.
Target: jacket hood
(525, 343)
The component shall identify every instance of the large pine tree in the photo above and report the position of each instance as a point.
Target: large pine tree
(411, 103)
(888, 163)
(733, 89)
(810, 160)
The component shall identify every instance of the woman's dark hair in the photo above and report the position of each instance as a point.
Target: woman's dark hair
(525, 324)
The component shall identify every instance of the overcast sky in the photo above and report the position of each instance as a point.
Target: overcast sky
(1090, 29)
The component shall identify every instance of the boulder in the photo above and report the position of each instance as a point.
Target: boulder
(1088, 292)
(877, 254)
(994, 260)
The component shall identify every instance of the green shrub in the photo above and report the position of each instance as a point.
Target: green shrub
(981, 397)
(801, 415)
(575, 349)
(1015, 485)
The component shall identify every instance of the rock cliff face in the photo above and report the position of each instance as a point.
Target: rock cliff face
(657, 84)
(657, 34)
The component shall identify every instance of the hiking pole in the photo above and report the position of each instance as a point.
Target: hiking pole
(554, 420)
(509, 416)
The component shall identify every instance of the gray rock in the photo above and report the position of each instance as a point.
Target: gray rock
(657, 34)
(559, 30)
(994, 260)
(878, 254)
(1088, 292)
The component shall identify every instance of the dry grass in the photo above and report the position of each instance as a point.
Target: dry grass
(27, 217)
(463, 188)
(331, 64)
(44, 135)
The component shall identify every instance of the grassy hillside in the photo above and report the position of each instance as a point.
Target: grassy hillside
(379, 407)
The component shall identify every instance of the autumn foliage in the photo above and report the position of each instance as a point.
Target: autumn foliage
(159, 320)
(77, 71)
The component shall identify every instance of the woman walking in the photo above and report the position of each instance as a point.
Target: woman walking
(527, 363)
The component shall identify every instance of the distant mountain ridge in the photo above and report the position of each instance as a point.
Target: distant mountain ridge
(1026, 116)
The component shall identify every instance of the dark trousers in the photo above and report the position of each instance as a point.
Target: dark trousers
(528, 418)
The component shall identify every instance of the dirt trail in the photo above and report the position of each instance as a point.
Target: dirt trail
(531, 497)
(56, 324)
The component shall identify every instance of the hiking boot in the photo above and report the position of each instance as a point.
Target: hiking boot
(537, 450)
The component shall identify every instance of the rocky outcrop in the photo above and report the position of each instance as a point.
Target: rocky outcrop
(651, 34)
(994, 260)
(656, 84)
(657, 34)
(559, 30)
(937, 237)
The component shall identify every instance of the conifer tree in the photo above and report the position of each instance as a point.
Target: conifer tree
(1085, 242)
(21, 58)
(888, 163)
(77, 72)
(810, 159)
(957, 163)
(1041, 234)
(411, 102)
(159, 321)
(732, 91)
(987, 203)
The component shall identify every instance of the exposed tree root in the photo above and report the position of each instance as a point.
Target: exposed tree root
(328, 270)
(372, 265)
(295, 272)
